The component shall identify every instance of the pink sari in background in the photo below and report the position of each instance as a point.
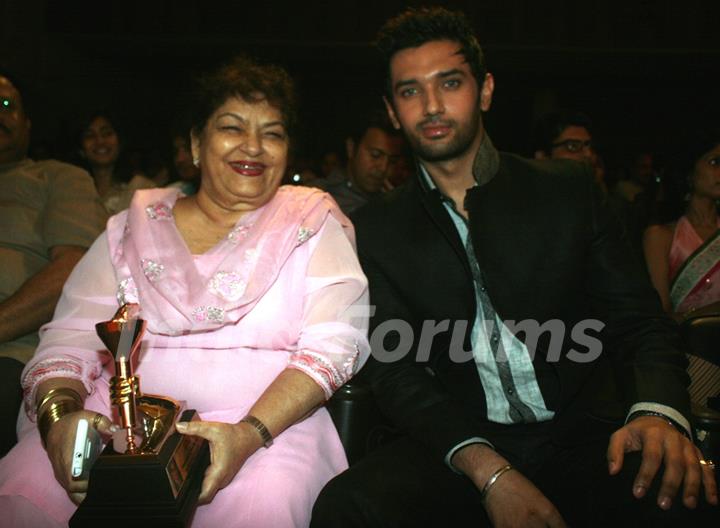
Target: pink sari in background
(282, 290)
(694, 268)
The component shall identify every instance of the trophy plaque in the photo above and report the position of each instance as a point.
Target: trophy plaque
(149, 474)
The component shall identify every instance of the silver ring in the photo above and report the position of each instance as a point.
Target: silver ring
(98, 418)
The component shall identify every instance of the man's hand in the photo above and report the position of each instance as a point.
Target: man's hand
(230, 446)
(513, 501)
(661, 443)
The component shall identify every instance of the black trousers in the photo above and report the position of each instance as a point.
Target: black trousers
(400, 485)
(10, 400)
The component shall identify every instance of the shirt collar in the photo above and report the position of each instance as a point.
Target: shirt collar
(485, 166)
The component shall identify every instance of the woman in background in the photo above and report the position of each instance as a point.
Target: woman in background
(100, 150)
(683, 257)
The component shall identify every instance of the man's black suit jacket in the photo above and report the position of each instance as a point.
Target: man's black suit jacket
(548, 248)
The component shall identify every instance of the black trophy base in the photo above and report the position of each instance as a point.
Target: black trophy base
(159, 490)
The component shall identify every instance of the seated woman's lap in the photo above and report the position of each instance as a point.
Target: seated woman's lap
(27, 479)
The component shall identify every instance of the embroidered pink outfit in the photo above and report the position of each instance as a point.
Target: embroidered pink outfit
(283, 289)
(694, 268)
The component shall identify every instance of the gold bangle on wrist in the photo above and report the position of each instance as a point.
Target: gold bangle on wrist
(54, 414)
(265, 435)
(492, 480)
(60, 391)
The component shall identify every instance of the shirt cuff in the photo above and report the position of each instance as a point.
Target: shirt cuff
(665, 410)
(473, 440)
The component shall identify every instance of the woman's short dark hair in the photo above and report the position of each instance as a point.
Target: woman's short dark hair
(416, 27)
(249, 80)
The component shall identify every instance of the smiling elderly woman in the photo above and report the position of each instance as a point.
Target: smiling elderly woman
(256, 305)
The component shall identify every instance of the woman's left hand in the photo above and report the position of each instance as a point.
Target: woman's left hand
(230, 446)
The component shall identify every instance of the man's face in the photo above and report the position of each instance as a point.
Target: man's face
(14, 124)
(371, 160)
(437, 101)
(575, 143)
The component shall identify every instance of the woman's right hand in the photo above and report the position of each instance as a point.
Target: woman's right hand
(60, 445)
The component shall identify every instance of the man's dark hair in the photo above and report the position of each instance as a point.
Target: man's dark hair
(374, 118)
(415, 27)
(552, 125)
(242, 77)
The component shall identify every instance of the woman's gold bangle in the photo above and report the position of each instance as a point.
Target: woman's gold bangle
(54, 413)
(60, 391)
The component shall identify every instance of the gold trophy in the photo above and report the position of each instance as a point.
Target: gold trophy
(150, 473)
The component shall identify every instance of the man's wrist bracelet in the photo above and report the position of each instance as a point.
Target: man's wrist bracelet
(265, 435)
(639, 414)
(493, 479)
(54, 414)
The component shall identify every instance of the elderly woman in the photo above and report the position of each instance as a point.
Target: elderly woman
(256, 306)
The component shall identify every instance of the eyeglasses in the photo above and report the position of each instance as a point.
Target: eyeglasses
(574, 145)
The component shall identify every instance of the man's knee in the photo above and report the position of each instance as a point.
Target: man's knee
(343, 502)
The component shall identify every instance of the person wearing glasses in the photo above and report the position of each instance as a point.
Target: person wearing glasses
(566, 134)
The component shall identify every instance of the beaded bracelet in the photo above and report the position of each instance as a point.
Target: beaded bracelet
(265, 435)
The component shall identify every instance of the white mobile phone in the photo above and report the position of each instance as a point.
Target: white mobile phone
(88, 445)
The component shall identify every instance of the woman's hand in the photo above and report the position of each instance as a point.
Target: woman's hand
(60, 445)
(230, 446)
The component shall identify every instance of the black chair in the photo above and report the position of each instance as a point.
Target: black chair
(702, 338)
(357, 417)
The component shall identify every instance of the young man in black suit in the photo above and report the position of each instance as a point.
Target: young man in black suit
(522, 355)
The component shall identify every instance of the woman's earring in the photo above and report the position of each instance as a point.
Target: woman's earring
(196, 162)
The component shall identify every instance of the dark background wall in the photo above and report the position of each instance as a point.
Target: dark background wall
(643, 69)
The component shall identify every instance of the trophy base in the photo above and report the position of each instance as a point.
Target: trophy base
(158, 489)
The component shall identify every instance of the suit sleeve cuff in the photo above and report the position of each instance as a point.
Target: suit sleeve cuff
(469, 441)
(668, 412)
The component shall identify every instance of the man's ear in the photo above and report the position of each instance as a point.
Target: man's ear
(391, 113)
(486, 93)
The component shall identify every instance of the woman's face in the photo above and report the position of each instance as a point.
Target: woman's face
(706, 178)
(243, 152)
(99, 143)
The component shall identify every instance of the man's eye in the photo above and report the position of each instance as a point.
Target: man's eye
(452, 83)
(230, 128)
(408, 92)
(6, 104)
(375, 154)
(714, 162)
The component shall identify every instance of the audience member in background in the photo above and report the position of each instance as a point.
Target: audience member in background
(372, 150)
(565, 134)
(49, 216)
(186, 170)
(100, 151)
(683, 257)
(329, 163)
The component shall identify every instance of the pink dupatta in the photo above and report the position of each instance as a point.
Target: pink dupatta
(155, 268)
